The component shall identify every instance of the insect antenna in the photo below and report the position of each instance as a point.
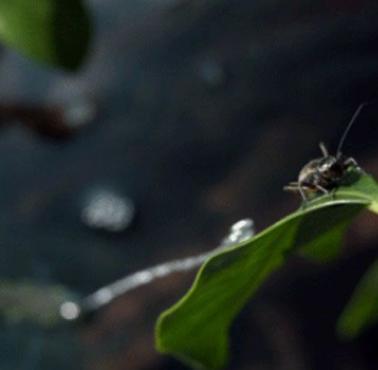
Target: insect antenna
(350, 124)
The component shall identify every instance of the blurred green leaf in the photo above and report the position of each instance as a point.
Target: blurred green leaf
(196, 328)
(52, 31)
(362, 309)
(30, 301)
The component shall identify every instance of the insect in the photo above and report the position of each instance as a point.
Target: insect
(324, 174)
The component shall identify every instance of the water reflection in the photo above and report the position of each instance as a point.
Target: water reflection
(106, 210)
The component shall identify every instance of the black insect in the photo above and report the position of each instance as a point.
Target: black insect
(322, 175)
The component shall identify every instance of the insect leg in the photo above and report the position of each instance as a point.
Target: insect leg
(292, 186)
(323, 190)
(323, 149)
(351, 162)
(298, 187)
(302, 192)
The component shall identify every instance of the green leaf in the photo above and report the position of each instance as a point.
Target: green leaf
(196, 328)
(52, 31)
(326, 247)
(362, 309)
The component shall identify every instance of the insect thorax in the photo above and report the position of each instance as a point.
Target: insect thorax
(325, 171)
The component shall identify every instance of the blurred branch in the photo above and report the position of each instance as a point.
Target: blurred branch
(48, 122)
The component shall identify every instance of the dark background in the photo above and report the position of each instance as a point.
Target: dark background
(205, 110)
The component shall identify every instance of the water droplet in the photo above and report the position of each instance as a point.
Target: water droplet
(104, 295)
(69, 310)
(108, 211)
(239, 232)
(79, 111)
(212, 73)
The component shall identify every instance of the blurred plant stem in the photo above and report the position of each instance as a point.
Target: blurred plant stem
(47, 121)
